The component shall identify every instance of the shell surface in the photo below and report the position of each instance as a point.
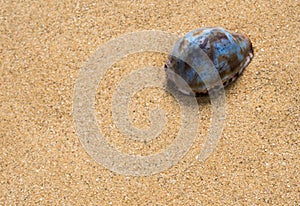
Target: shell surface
(229, 52)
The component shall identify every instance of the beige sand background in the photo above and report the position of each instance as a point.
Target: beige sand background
(42, 162)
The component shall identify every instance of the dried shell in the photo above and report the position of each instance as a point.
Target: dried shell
(229, 52)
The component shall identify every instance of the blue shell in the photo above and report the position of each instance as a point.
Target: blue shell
(229, 52)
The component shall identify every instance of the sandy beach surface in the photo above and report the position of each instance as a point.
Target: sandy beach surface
(44, 45)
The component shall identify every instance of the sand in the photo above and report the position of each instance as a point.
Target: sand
(44, 44)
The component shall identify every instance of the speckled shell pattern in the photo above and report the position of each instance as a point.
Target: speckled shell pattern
(229, 52)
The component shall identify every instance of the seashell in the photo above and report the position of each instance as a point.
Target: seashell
(229, 52)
